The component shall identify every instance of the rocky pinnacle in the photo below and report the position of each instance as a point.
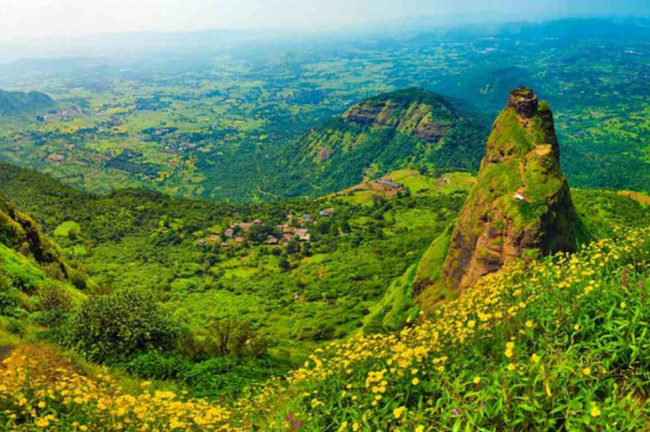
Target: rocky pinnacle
(521, 207)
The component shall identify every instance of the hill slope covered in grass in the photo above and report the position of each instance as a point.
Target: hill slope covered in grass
(412, 127)
(38, 288)
(558, 344)
(20, 103)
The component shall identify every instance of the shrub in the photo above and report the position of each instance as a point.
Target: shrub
(237, 337)
(9, 301)
(16, 327)
(53, 298)
(156, 365)
(121, 325)
(78, 279)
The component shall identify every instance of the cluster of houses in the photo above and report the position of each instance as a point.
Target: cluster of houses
(283, 233)
(288, 233)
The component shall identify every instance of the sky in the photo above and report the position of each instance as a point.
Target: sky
(31, 19)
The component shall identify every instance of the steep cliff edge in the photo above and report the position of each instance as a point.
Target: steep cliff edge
(521, 206)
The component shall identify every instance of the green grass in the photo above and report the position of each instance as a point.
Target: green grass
(66, 228)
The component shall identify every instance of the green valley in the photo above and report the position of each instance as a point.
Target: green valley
(367, 229)
(223, 123)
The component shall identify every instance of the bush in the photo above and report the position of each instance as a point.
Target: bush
(78, 279)
(9, 301)
(238, 338)
(156, 365)
(122, 325)
(53, 298)
(16, 327)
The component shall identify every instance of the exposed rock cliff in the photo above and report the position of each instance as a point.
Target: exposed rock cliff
(414, 112)
(521, 206)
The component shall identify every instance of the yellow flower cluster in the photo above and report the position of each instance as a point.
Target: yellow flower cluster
(38, 387)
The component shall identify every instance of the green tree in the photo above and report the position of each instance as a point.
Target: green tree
(121, 325)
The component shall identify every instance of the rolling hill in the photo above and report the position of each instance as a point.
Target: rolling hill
(407, 128)
(13, 104)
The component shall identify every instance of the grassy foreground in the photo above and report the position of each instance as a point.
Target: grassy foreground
(560, 344)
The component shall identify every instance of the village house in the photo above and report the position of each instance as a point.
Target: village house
(303, 234)
(245, 226)
(239, 240)
(258, 221)
(55, 157)
(326, 212)
(389, 183)
(272, 240)
(229, 233)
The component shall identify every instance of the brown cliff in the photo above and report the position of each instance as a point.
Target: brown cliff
(521, 206)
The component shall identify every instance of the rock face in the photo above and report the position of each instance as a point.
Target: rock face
(413, 111)
(521, 206)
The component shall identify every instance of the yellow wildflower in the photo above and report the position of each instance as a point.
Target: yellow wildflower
(595, 411)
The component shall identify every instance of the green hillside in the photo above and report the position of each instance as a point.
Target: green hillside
(412, 127)
(38, 288)
(557, 343)
(14, 104)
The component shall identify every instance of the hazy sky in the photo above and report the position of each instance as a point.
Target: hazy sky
(37, 18)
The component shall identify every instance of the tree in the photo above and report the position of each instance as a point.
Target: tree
(293, 246)
(284, 263)
(122, 325)
(259, 233)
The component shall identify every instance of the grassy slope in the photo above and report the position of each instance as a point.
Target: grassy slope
(118, 240)
(560, 344)
(20, 279)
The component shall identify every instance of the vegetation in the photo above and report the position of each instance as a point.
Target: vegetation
(303, 300)
(212, 124)
(16, 104)
(501, 356)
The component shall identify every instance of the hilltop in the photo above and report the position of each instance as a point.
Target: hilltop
(406, 128)
(20, 103)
